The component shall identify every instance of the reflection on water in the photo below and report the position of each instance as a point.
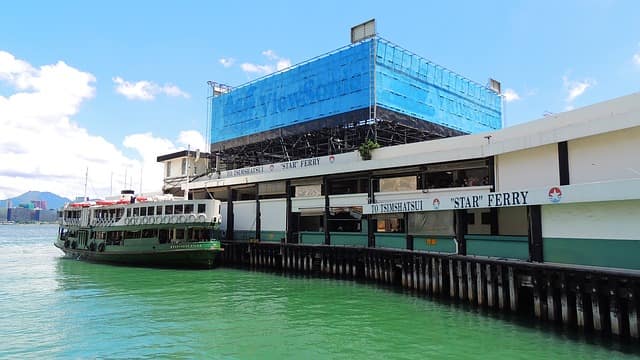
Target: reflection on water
(62, 308)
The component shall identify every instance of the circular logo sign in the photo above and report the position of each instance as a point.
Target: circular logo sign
(555, 194)
(332, 159)
(436, 203)
(271, 167)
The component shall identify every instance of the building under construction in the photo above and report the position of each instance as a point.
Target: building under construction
(370, 89)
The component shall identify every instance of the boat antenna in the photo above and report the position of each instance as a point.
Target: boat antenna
(86, 178)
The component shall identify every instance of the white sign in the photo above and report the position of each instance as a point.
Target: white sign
(601, 191)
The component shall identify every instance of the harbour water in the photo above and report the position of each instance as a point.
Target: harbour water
(63, 308)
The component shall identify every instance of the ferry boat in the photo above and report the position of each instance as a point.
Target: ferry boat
(158, 231)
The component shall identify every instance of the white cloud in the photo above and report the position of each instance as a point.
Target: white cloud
(255, 68)
(280, 63)
(576, 88)
(227, 62)
(41, 148)
(192, 139)
(636, 58)
(511, 95)
(146, 90)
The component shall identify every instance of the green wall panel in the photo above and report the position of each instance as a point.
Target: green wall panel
(509, 247)
(349, 238)
(271, 236)
(594, 252)
(434, 243)
(393, 241)
(311, 238)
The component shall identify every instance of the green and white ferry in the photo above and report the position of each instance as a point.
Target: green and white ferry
(134, 230)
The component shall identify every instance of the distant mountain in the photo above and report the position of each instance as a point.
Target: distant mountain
(53, 201)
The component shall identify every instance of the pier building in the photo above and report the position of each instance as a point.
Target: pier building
(538, 218)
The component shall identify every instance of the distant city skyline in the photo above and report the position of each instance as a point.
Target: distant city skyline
(108, 87)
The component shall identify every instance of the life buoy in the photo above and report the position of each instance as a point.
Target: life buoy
(192, 218)
(166, 219)
(144, 220)
(202, 218)
(127, 221)
(174, 219)
(159, 219)
(101, 247)
(152, 220)
(181, 218)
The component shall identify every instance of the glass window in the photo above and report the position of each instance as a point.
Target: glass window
(143, 211)
(179, 234)
(168, 210)
(184, 166)
(178, 209)
(167, 167)
(402, 183)
(128, 212)
(159, 210)
(136, 211)
(150, 210)
(202, 208)
(188, 208)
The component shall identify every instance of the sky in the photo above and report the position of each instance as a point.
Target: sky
(109, 86)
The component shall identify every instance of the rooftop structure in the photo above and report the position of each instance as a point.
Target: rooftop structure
(371, 89)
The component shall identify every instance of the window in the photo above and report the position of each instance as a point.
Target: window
(179, 234)
(471, 218)
(167, 167)
(150, 210)
(136, 211)
(390, 224)
(159, 210)
(188, 208)
(486, 218)
(163, 236)
(184, 166)
(178, 209)
(401, 183)
(143, 211)
(168, 210)
(202, 208)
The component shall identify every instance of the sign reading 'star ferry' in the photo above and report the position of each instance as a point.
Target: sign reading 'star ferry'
(463, 201)
(589, 192)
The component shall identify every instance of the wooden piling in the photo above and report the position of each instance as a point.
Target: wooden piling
(479, 284)
(513, 290)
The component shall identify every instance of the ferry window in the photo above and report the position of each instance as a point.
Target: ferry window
(132, 234)
(168, 210)
(136, 211)
(128, 212)
(178, 209)
(179, 234)
(143, 211)
(149, 233)
(202, 208)
(188, 208)
(158, 210)
(163, 236)
(150, 210)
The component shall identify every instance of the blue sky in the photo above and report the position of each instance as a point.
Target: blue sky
(110, 85)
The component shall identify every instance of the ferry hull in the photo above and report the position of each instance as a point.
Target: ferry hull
(182, 258)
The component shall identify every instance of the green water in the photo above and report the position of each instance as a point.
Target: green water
(58, 308)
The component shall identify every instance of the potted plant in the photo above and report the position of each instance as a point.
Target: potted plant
(366, 147)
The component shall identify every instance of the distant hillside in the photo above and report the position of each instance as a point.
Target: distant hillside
(53, 201)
